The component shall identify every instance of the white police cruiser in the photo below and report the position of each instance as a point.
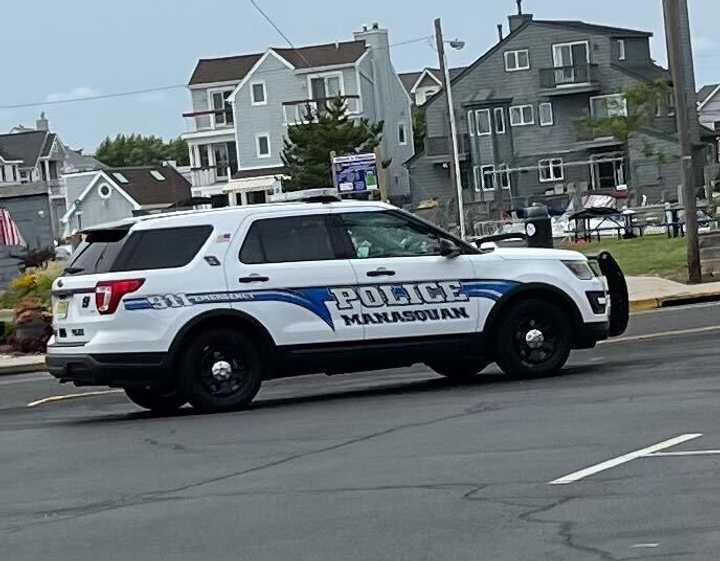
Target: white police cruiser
(203, 306)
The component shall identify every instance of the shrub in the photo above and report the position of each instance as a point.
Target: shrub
(33, 283)
(33, 326)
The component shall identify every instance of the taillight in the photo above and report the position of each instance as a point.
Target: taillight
(109, 293)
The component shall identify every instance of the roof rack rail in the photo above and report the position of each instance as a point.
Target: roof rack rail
(324, 199)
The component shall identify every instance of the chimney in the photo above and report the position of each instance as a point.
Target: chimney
(42, 124)
(520, 18)
(500, 31)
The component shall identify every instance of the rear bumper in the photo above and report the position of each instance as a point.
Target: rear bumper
(114, 370)
(590, 334)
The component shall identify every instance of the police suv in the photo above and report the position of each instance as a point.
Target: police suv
(202, 306)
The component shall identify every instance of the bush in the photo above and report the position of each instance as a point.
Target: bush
(33, 283)
(33, 326)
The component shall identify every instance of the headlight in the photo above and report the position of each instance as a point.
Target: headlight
(580, 269)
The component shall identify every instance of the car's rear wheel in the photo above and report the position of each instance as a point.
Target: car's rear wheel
(156, 400)
(459, 371)
(534, 339)
(220, 371)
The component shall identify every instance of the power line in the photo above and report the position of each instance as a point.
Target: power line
(280, 32)
(163, 88)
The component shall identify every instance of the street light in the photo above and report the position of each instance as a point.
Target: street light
(455, 152)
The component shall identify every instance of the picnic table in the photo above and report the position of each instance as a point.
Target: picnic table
(611, 220)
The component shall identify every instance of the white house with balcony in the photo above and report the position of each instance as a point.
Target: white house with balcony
(243, 105)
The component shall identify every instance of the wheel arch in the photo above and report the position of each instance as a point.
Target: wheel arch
(544, 291)
(232, 319)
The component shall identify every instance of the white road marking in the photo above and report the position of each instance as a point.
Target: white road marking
(645, 545)
(662, 334)
(54, 398)
(592, 470)
(688, 453)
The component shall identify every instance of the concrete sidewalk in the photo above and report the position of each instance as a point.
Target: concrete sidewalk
(21, 364)
(649, 293)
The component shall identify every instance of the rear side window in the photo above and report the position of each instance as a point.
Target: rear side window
(98, 252)
(165, 248)
(288, 240)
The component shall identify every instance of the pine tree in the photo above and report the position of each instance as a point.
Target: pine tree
(307, 148)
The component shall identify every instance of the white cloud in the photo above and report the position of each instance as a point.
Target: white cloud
(76, 93)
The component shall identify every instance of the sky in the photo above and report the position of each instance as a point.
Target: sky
(53, 50)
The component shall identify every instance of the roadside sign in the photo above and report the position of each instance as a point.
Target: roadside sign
(355, 174)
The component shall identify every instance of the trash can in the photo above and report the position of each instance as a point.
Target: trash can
(538, 227)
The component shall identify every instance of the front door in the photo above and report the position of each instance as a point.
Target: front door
(405, 287)
(285, 272)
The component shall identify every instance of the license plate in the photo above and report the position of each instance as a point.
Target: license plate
(61, 309)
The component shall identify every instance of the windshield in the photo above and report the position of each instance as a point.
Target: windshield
(97, 252)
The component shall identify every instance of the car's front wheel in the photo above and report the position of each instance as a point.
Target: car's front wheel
(220, 370)
(533, 339)
(156, 400)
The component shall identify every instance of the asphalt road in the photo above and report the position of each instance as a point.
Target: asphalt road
(398, 465)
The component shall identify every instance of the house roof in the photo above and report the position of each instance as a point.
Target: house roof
(147, 190)
(235, 68)
(706, 92)
(261, 172)
(16, 190)
(49, 139)
(593, 28)
(649, 72)
(26, 146)
(409, 79)
(76, 161)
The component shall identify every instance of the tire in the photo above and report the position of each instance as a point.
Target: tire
(521, 352)
(155, 400)
(459, 371)
(220, 371)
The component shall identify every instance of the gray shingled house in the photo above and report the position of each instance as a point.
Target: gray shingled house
(518, 108)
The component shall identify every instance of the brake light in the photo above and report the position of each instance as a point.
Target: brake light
(109, 293)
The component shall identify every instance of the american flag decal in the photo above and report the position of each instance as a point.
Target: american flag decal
(9, 232)
(223, 238)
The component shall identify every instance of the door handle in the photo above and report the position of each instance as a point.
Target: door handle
(253, 278)
(381, 273)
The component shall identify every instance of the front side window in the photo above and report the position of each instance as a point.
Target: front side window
(504, 176)
(376, 235)
(262, 144)
(402, 133)
(258, 93)
(288, 240)
(621, 49)
(608, 106)
(517, 60)
(499, 120)
(224, 114)
(482, 117)
(551, 170)
(546, 114)
(323, 87)
(522, 115)
(472, 130)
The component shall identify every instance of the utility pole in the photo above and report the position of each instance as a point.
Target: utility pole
(455, 174)
(677, 27)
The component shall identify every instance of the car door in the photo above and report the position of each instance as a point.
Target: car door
(406, 288)
(285, 271)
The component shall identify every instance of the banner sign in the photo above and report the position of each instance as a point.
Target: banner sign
(356, 173)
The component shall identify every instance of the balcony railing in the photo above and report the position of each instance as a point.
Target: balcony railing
(208, 119)
(567, 76)
(440, 145)
(296, 112)
(211, 175)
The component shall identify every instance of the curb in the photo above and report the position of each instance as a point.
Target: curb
(29, 368)
(671, 301)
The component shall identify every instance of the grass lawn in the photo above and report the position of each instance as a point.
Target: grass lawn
(655, 256)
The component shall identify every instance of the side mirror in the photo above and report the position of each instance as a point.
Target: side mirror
(449, 249)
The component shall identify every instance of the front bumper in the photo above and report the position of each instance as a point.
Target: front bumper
(590, 334)
(114, 370)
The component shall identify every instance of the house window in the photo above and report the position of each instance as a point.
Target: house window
(472, 131)
(621, 49)
(204, 159)
(327, 86)
(546, 114)
(484, 178)
(608, 106)
(402, 134)
(262, 145)
(499, 113)
(219, 103)
(551, 170)
(78, 215)
(522, 115)
(517, 60)
(157, 175)
(258, 93)
(504, 176)
(120, 177)
(482, 118)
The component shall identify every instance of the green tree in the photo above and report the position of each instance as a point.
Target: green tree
(306, 150)
(138, 150)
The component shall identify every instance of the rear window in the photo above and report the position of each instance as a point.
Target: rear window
(164, 248)
(288, 240)
(98, 252)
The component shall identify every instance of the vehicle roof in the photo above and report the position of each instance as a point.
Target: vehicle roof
(178, 218)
